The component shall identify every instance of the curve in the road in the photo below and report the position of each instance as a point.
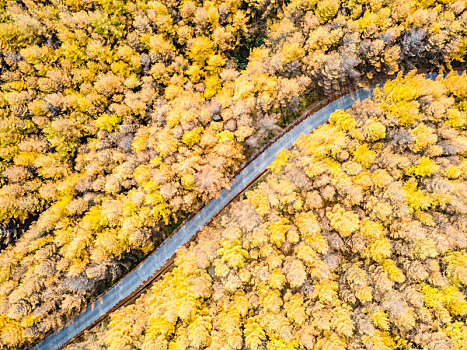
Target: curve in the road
(158, 261)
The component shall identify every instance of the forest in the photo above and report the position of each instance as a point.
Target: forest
(355, 240)
(120, 118)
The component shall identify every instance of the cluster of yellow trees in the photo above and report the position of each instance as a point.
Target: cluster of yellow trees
(355, 240)
(117, 118)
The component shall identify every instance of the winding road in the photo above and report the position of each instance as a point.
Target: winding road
(156, 263)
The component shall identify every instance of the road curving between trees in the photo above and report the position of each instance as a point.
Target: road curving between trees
(160, 260)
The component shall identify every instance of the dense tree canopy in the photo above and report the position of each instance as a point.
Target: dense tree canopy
(118, 118)
(355, 240)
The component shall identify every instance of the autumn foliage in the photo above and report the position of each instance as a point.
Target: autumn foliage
(119, 118)
(334, 250)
